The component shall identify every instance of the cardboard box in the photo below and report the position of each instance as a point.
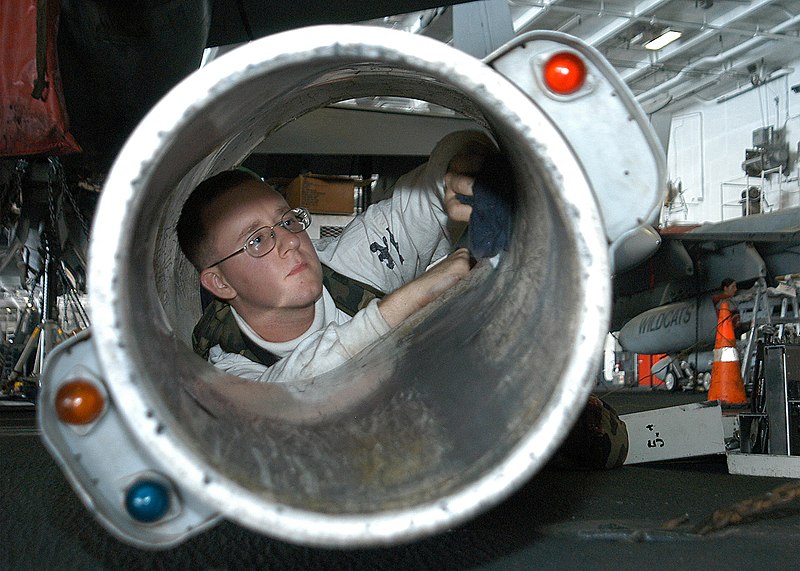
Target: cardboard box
(327, 194)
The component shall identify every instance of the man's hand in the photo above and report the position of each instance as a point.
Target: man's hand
(455, 185)
(413, 296)
(478, 189)
(459, 179)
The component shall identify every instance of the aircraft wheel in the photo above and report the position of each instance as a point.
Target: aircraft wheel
(705, 381)
(670, 382)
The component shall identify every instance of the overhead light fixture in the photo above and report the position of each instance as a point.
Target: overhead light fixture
(667, 37)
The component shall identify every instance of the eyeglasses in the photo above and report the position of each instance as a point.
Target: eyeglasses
(262, 241)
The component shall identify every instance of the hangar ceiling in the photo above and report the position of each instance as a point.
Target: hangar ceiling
(118, 58)
(725, 45)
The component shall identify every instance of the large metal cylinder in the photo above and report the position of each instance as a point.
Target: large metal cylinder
(440, 420)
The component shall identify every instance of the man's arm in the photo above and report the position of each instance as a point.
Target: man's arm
(333, 345)
(413, 296)
(395, 240)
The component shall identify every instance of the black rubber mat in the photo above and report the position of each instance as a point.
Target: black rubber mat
(558, 520)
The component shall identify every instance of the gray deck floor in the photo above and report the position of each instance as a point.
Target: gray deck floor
(559, 520)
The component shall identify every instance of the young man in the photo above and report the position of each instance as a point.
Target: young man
(254, 256)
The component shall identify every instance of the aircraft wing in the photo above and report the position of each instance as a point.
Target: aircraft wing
(781, 226)
(693, 261)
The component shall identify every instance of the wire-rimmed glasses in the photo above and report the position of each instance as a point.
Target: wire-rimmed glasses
(262, 241)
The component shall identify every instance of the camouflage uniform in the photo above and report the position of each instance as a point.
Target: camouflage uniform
(217, 326)
(599, 439)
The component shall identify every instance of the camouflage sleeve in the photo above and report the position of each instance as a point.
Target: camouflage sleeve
(598, 441)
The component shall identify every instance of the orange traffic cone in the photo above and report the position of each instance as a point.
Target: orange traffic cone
(726, 376)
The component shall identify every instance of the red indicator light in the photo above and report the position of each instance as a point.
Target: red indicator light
(564, 73)
(79, 402)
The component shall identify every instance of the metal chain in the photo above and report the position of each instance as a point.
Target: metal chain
(51, 234)
(779, 501)
(11, 194)
(19, 173)
(73, 201)
(71, 298)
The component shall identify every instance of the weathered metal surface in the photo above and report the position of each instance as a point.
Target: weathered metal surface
(440, 420)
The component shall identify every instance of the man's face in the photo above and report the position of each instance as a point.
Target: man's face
(730, 289)
(288, 277)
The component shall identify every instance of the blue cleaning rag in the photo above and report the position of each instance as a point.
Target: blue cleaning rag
(490, 221)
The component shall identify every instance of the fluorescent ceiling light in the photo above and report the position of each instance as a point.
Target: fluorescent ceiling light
(667, 37)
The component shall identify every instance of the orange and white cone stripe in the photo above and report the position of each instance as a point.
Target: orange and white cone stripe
(726, 376)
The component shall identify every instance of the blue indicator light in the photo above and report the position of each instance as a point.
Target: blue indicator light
(147, 501)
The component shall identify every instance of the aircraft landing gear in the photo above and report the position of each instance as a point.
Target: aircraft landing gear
(705, 381)
(671, 382)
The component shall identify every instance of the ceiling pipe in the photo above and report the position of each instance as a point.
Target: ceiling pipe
(714, 60)
(576, 20)
(713, 80)
(662, 21)
(621, 22)
(777, 74)
(526, 20)
(683, 47)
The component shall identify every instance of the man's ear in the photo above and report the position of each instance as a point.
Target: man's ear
(215, 282)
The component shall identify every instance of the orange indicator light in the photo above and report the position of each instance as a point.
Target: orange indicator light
(564, 73)
(79, 402)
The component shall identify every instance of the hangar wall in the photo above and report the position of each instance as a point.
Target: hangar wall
(707, 142)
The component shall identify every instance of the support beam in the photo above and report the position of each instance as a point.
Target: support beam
(479, 28)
